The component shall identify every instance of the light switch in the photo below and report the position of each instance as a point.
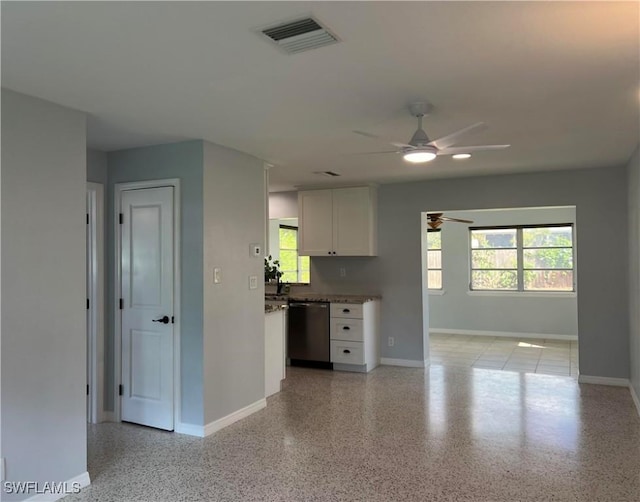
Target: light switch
(255, 250)
(217, 275)
(253, 282)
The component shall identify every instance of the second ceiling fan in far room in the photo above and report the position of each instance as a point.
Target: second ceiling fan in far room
(435, 220)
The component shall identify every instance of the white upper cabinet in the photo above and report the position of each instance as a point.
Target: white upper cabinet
(337, 222)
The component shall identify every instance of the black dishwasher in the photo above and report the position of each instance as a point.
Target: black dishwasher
(308, 335)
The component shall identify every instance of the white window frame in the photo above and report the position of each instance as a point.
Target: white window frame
(520, 262)
(431, 290)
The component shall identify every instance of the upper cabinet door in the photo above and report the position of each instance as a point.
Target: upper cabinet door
(315, 213)
(353, 221)
(337, 222)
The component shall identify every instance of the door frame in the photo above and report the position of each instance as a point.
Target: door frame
(117, 318)
(95, 295)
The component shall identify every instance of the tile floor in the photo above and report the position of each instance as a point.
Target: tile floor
(527, 355)
(446, 434)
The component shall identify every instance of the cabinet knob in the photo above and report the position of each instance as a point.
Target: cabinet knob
(328, 252)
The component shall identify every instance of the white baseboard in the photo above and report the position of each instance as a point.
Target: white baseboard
(407, 363)
(597, 380)
(190, 429)
(635, 398)
(72, 486)
(223, 422)
(510, 334)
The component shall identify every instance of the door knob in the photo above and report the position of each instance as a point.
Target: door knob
(163, 320)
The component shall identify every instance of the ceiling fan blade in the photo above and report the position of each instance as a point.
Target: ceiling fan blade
(446, 218)
(366, 134)
(403, 145)
(467, 149)
(446, 141)
(374, 136)
(370, 153)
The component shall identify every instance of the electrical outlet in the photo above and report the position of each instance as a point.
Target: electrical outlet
(217, 275)
(343, 272)
(391, 341)
(253, 282)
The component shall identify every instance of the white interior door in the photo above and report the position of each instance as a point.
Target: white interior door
(147, 306)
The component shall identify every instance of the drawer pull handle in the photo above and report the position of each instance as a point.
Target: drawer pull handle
(346, 311)
(346, 351)
(346, 328)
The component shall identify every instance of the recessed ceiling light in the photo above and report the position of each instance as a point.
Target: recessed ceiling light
(461, 156)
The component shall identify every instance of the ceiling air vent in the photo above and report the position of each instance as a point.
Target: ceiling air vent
(330, 174)
(299, 36)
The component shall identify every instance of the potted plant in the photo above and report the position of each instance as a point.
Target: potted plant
(272, 272)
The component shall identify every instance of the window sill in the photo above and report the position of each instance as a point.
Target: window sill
(526, 294)
(436, 292)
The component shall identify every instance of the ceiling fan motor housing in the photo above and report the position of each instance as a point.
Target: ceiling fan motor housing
(419, 138)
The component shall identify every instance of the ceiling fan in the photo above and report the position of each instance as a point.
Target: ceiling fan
(437, 219)
(422, 149)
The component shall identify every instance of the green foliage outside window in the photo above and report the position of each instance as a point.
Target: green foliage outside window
(546, 264)
(294, 268)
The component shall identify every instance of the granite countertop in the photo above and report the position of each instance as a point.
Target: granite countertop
(328, 297)
(268, 309)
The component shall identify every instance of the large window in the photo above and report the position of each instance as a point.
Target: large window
(434, 259)
(523, 258)
(294, 268)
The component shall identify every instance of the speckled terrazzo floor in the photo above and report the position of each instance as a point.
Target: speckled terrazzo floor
(396, 434)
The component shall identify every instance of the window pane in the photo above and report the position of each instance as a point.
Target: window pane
(547, 236)
(548, 280)
(289, 277)
(434, 240)
(494, 258)
(434, 259)
(494, 279)
(434, 279)
(288, 238)
(303, 269)
(493, 238)
(548, 258)
(288, 261)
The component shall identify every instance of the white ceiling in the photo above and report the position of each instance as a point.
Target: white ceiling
(559, 81)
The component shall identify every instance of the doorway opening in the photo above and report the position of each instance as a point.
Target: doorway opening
(95, 301)
(500, 289)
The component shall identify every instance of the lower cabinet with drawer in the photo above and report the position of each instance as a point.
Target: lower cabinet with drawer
(354, 336)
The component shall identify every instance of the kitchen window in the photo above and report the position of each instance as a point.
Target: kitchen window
(294, 268)
(522, 258)
(434, 259)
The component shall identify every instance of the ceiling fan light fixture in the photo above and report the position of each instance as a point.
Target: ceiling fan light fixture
(461, 155)
(419, 156)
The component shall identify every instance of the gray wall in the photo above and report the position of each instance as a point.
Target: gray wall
(283, 205)
(234, 217)
(43, 290)
(97, 166)
(600, 197)
(634, 268)
(528, 313)
(177, 160)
